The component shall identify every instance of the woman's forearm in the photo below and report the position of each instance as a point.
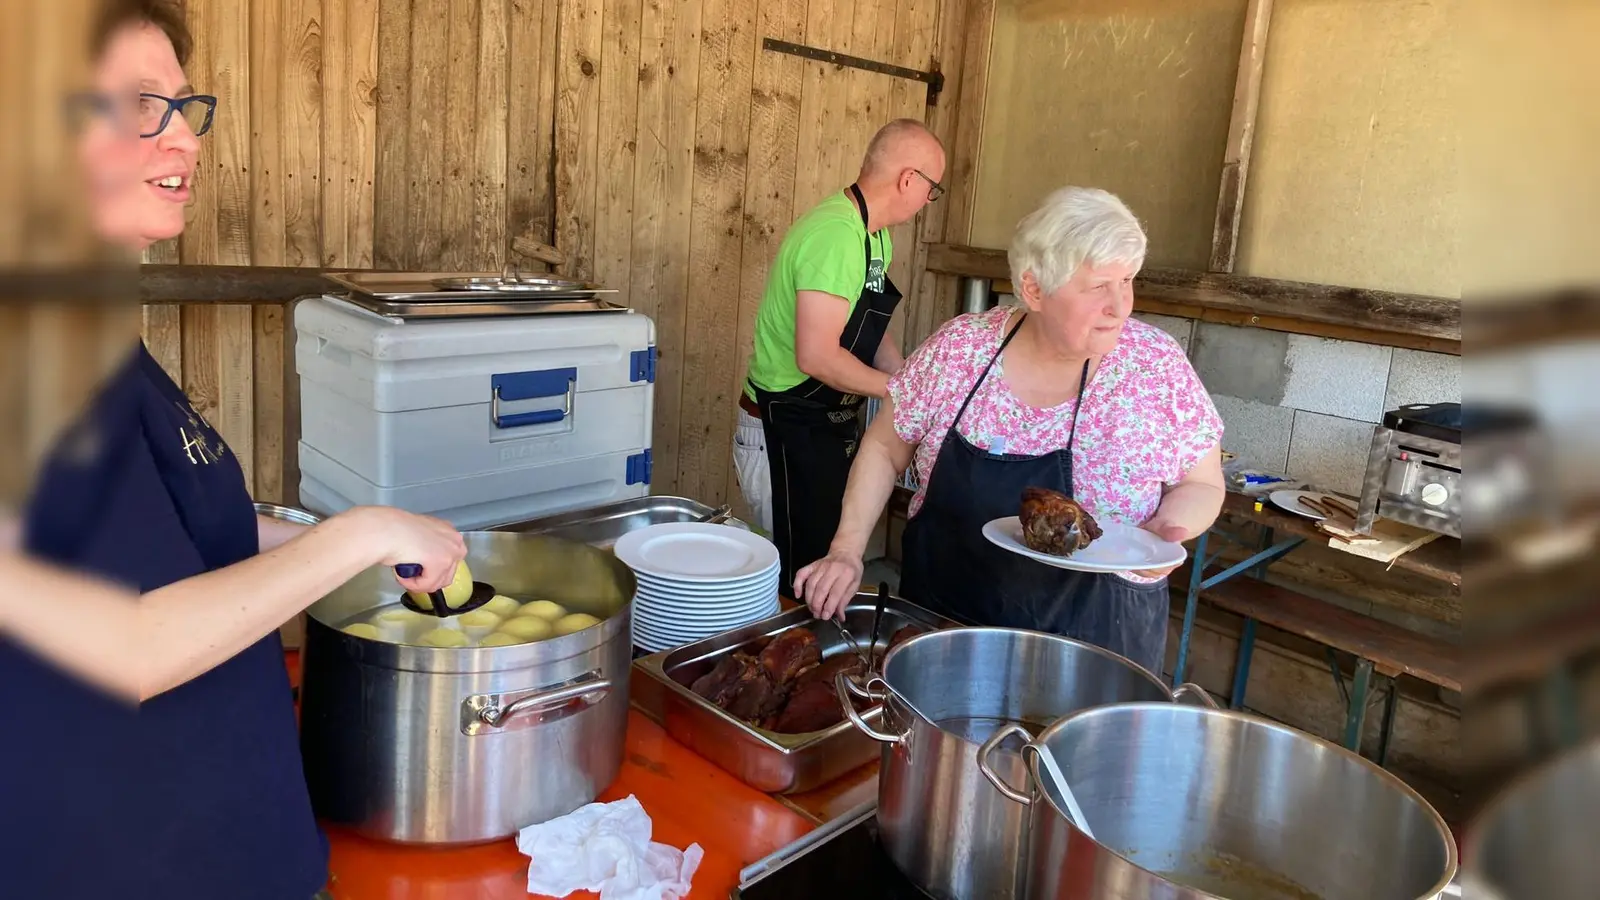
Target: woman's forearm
(138, 647)
(274, 533)
(1192, 506)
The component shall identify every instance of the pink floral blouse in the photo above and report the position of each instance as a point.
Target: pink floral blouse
(1146, 420)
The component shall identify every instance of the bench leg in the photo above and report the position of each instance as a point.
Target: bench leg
(1356, 716)
(1390, 701)
(1241, 669)
(1190, 603)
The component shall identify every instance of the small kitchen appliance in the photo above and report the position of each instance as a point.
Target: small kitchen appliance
(1414, 468)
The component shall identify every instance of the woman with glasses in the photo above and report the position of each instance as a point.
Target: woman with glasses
(150, 747)
(820, 343)
(1063, 392)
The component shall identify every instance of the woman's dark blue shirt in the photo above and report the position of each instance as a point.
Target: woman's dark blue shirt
(198, 793)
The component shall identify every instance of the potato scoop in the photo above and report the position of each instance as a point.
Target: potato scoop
(479, 593)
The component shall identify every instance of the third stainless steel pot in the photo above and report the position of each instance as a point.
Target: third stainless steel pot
(430, 745)
(1206, 804)
(1536, 840)
(952, 833)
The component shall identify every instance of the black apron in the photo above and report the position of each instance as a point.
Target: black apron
(812, 431)
(952, 569)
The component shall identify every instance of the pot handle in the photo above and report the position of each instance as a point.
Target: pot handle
(1190, 689)
(496, 716)
(993, 776)
(845, 687)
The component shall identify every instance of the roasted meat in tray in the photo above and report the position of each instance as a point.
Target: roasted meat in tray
(1054, 523)
(783, 684)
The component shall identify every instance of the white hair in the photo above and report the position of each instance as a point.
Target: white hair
(1072, 226)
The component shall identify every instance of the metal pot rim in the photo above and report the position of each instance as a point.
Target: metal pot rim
(1452, 853)
(947, 634)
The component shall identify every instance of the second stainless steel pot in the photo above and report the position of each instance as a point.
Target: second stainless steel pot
(429, 745)
(1205, 804)
(944, 825)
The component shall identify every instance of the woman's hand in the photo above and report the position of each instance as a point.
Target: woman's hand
(828, 584)
(1166, 530)
(405, 537)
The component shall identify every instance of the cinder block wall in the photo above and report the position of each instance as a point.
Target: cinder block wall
(1305, 406)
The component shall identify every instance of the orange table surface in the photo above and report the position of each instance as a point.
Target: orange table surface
(689, 801)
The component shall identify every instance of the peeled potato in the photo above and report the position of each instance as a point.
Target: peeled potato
(456, 593)
(444, 637)
(362, 630)
(542, 609)
(528, 628)
(502, 606)
(478, 623)
(500, 639)
(575, 622)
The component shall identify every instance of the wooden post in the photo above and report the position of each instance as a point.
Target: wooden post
(1241, 136)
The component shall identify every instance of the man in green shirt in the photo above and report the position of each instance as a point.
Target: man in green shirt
(820, 347)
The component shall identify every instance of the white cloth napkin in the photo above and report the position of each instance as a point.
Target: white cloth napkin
(606, 847)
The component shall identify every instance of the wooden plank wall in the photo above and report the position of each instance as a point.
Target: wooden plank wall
(653, 141)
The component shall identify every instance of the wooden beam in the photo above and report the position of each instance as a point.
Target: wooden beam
(533, 248)
(1241, 136)
(229, 284)
(1344, 313)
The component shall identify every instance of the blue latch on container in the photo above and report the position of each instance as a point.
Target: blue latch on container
(528, 386)
(639, 468)
(644, 365)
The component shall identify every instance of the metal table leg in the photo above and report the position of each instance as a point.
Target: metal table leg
(1356, 716)
(1198, 582)
(1191, 601)
(1241, 668)
(1390, 701)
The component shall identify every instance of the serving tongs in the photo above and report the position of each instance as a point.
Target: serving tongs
(869, 655)
(481, 593)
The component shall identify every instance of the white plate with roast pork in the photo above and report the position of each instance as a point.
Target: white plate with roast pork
(1056, 531)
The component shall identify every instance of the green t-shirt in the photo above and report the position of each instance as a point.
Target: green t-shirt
(823, 251)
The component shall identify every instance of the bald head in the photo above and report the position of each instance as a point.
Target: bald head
(900, 145)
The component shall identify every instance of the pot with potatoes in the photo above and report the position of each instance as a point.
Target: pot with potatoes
(508, 710)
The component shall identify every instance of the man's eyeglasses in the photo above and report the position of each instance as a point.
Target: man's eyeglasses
(935, 189)
(151, 115)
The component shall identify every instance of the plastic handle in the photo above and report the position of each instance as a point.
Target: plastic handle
(408, 570)
(537, 417)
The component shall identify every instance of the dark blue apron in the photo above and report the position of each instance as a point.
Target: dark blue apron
(952, 569)
(812, 432)
(199, 793)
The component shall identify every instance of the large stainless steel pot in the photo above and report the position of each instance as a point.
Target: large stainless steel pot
(1205, 804)
(945, 827)
(1536, 840)
(451, 746)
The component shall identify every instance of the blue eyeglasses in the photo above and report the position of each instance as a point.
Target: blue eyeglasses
(154, 112)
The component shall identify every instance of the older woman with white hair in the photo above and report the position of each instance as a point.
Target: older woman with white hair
(1062, 392)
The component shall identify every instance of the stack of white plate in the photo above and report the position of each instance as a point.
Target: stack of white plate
(696, 580)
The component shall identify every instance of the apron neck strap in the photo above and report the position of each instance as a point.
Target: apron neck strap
(985, 373)
(1083, 382)
(861, 201)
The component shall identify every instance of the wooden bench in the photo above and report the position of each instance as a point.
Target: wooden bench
(1379, 647)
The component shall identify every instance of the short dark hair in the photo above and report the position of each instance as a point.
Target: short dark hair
(166, 15)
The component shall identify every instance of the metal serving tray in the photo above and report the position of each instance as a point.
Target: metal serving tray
(602, 526)
(415, 295)
(765, 760)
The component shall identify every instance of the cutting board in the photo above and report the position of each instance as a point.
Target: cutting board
(1388, 542)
